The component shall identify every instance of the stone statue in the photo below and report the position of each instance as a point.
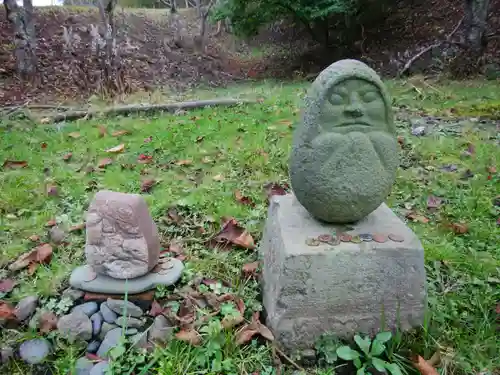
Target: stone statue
(345, 153)
(122, 239)
(122, 248)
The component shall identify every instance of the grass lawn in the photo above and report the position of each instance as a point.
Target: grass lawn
(203, 162)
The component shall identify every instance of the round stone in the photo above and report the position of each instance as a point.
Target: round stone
(88, 308)
(97, 321)
(111, 340)
(108, 315)
(122, 307)
(26, 308)
(396, 238)
(99, 368)
(123, 321)
(75, 326)
(83, 366)
(34, 351)
(93, 346)
(345, 153)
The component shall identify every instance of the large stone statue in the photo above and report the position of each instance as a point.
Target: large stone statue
(345, 154)
(323, 277)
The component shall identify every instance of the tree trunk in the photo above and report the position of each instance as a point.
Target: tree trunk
(476, 14)
(21, 20)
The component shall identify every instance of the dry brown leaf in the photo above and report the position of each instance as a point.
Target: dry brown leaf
(250, 269)
(14, 164)
(102, 131)
(245, 334)
(103, 163)
(119, 133)
(45, 120)
(77, 227)
(274, 189)
(147, 185)
(74, 135)
(34, 238)
(144, 159)
(116, 149)
(491, 169)
(424, 367)
(232, 234)
(156, 309)
(417, 217)
(51, 223)
(68, 156)
(43, 145)
(459, 228)
(48, 322)
(265, 332)
(207, 160)
(40, 254)
(173, 215)
(6, 311)
(6, 285)
(175, 247)
(242, 199)
(231, 321)
(190, 336)
(218, 177)
(183, 162)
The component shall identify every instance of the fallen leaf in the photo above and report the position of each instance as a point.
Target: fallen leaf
(156, 309)
(148, 139)
(102, 131)
(433, 202)
(43, 145)
(232, 234)
(250, 269)
(147, 185)
(190, 336)
(424, 367)
(218, 177)
(103, 163)
(175, 247)
(7, 285)
(40, 254)
(51, 223)
(243, 199)
(459, 228)
(274, 189)
(77, 227)
(286, 122)
(199, 138)
(471, 149)
(207, 160)
(6, 311)
(183, 162)
(401, 140)
(173, 215)
(417, 217)
(48, 322)
(265, 332)
(245, 334)
(144, 159)
(45, 120)
(34, 238)
(231, 321)
(14, 164)
(68, 156)
(491, 169)
(74, 135)
(119, 133)
(52, 191)
(116, 149)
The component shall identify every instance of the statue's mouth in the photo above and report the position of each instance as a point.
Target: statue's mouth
(352, 123)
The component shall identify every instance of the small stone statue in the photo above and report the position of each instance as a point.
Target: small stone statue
(122, 239)
(345, 154)
(122, 248)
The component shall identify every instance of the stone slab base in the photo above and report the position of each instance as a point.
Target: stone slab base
(344, 289)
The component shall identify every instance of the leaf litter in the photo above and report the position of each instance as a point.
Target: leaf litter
(232, 234)
(41, 254)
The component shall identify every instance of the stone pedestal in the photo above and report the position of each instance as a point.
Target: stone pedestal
(342, 289)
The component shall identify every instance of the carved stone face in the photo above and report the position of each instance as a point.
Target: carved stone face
(354, 105)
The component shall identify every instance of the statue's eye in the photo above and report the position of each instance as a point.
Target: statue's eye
(336, 99)
(370, 96)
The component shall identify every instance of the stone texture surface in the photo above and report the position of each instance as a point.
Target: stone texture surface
(344, 153)
(83, 366)
(111, 340)
(126, 308)
(105, 328)
(34, 351)
(93, 346)
(108, 315)
(88, 308)
(100, 368)
(75, 326)
(26, 308)
(338, 289)
(97, 321)
(122, 239)
(106, 284)
(161, 331)
(123, 321)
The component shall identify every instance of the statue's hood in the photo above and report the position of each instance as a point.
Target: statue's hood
(334, 74)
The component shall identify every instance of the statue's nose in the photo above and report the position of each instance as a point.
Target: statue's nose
(354, 109)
